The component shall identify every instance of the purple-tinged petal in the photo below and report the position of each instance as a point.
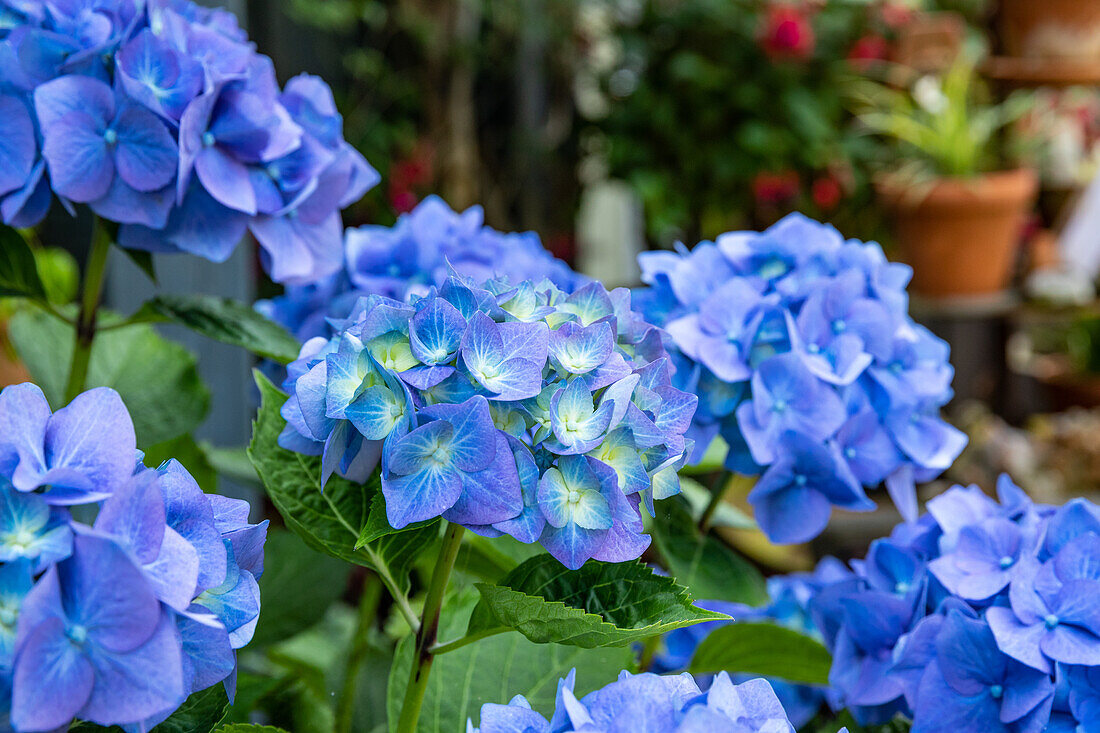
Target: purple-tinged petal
(17, 144)
(1019, 641)
(420, 496)
(81, 167)
(225, 179)
(146, 155)
(141, 683)
(492, 494)
(67, 94)
(52, 680)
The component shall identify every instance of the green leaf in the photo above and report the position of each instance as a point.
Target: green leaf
(601, 604)
(378, 525)
(493, 671)
(18, 270)
(144, 261)
(249, 728)
(297, 586)
(156, 378)
(763, 649)
(704, 563)
(200, 713)
(329, 520)
(225, 320)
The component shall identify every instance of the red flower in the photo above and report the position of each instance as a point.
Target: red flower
(787, 33)
(826, 193)
(895, 14)
(402, 201)
(867, 51)
(772, 189)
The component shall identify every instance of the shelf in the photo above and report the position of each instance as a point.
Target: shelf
(1036, 72)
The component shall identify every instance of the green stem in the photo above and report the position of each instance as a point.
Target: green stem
(450, 646)
(717, 491)
(94, 270)
(429, 630)
(650, 648)
(360, 646)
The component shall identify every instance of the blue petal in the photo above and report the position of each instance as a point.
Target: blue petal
(420, 496)
(146, 155)
(427, 445)
(473, 444)
(436, 332)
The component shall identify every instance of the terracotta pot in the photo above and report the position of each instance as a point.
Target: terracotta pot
(1051, 29)
(961, 236)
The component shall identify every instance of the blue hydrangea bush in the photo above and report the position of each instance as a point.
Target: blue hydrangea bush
(976, 617)
(161, 117)
(805, 360)
(123, 589)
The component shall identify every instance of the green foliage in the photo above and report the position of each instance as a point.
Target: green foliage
(156, 378)
(600, 604)
(494, 670)
(249, 728)
(330, 519)
(763, 649)
(941, 127)
(829, 723)
(297, 587)
(704, 563)
(708, 110)
(225, 320)
(18, 270)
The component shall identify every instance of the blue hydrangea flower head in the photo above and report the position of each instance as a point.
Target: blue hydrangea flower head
(646, 703)
(421, 250)
(162, 118)
(118, 622)
(795, 330)
(976, 617)
(526, 410)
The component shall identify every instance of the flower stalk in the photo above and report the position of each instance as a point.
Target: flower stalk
(94, 271)
(429, 630)
(717, 492)
(360, 646)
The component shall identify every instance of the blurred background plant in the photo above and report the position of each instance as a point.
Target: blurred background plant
(941, 127)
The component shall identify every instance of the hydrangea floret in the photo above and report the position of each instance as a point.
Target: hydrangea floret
(805, 360)
(163, 118)
(978, 617)
(114, 620)
(789, 606)
(418, 252)
(520, 410)
(646, 703)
